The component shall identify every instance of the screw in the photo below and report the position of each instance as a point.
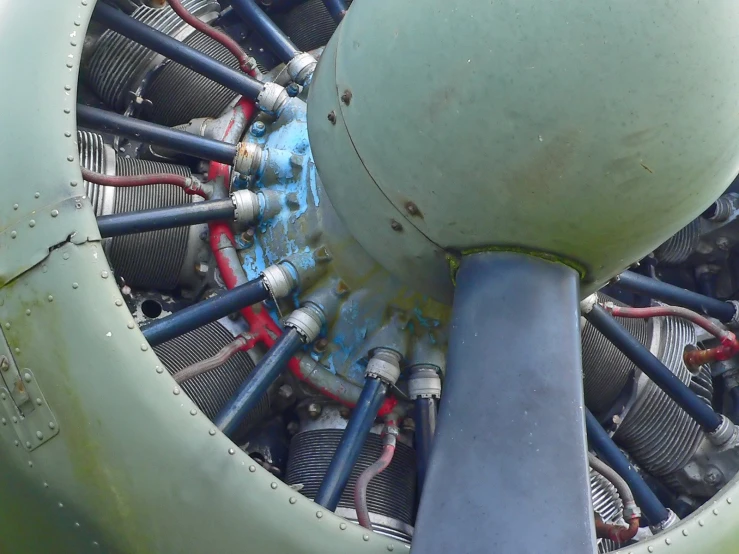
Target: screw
(320, 345)
(332, 117)
(285, 391)
(314, 410)
(396, 226)
(723, 243)
(292, 90)
(411, 208)
(346, 98)
(258, 128)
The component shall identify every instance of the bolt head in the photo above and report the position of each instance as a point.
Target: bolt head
(258, 129)
(285, 391)
(346, 97)
(201, 269)
(396, 226)
(332, 117)
(314, 410)
(292, 90)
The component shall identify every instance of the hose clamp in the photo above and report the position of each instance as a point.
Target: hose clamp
(726, 432)
(384, 365)
(246, 206)
(248, 159)
(424, 382)
(307, 321)
(631, 511)
(279, 280)
(301, 67)
(272, 98)
(671, 520)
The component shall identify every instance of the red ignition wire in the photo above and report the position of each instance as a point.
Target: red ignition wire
(728, 348)
(360, 489)
(246, 63)
(617, 533)
(188, 184)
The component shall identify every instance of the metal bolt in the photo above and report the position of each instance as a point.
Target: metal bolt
(723, 243)
(411, 208)
(345, 412)
(332, 117)
(713, 476)
(201, 269)
(293, 427)
(346, 98)
(320, 345)
(292, 90)
(258, 128)
(314, 410)
(396, 226)
(285, 391)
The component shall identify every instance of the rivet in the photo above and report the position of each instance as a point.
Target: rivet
(395, 225)
(252, 468)
(36, 194)
(70, 65)
(411, 208)
(27, 377)
(231, 451)
(176, 391)
(159, 369)
(39, 401)
(67, 110)
(342, 526)
(3, 396)
(68, 134)
(728, 500)
(650, 549)
(73, 43)
(54, 213)
(346, 98)
(715, 511)
(17, 350)
(50, 298)
(13, 234)
(193, 412)
(84, 2)
(668, 542)
(28, 312)
(332, 117)
(273, 485)
(77, 23)
(144, 348)
(365, 537)
(39, 435)
(130, 325)
(212, 432)
(4, 421)
(7, 325)
(67, 87)
(46, 485)
(701, 523)
(65, 256)
(30, 463)
(73, 183)
(75, 285)
(61, 505)
(52, 425)
(293, 500)
(95, 544)
(319, 514)
(76, 524)
(28, 444)
(15, 419)
(685, 532)
(119, 302)
(32, 223)
(104, 274)
(17, 443)
(390, 547)
(15, 206)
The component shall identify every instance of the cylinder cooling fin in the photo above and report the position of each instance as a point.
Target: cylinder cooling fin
(346, 318)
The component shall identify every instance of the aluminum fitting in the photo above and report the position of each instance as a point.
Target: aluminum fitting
(270, 204)
(307, 321)
(272, 98)
(588, 303)
(671, 520)
(246, 204)
(248, 159)
(424, 382)
(631, 511)
(301, 67)
(279, 280)
(726, 432)
(384, 365)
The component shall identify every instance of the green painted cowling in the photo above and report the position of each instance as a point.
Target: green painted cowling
(590, 131)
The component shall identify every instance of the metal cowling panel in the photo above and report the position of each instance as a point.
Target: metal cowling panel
(179, 94)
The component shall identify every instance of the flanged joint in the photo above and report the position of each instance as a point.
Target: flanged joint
(307, 321)
(246, 204)
(248, 159)
(671, 520)
(280, 280)
(384, 365)
(272, 98)
(726, 432)
(301, 67)
(424, 382)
